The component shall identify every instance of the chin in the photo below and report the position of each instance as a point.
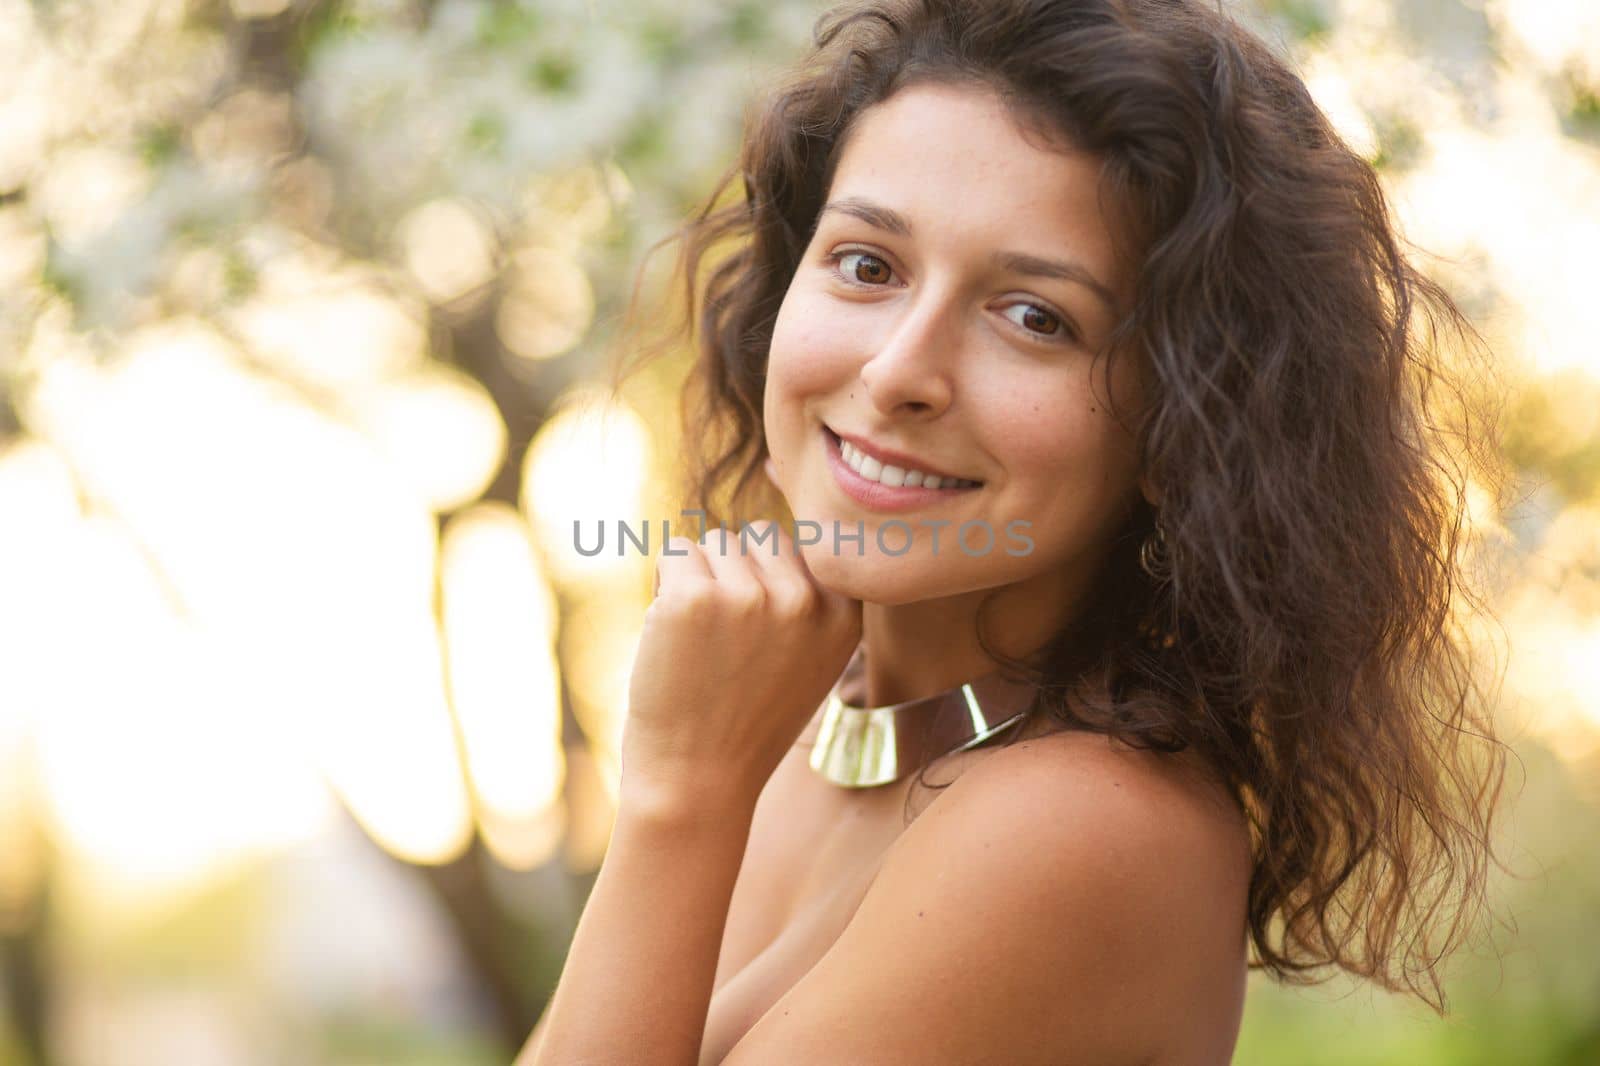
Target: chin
(886, 580)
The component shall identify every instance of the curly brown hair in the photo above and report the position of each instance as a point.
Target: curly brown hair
(1312, 431)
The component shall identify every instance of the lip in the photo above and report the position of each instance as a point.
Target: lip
(879, 497)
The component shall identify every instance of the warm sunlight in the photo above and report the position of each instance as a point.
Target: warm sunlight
(499, 627)
(312, 681)
(588, 464)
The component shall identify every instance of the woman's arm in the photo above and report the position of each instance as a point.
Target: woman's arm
(738, 649)
(637, 981)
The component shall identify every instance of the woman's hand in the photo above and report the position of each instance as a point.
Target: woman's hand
(740, 646)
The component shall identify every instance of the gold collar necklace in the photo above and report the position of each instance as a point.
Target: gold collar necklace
(861, 747)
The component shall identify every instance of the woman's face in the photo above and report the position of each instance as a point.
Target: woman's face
(944, 319)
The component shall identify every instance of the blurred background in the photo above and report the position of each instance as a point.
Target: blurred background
(308, 709)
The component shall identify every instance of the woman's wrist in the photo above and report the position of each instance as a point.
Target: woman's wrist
(652, 927)
(690, 803)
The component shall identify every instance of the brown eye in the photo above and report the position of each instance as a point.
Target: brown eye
(868, 270)
(1040, 321)
(1043, 324)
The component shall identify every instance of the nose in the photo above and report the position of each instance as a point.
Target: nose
(911, 372)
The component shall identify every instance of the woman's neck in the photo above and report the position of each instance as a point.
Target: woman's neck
(919, 649)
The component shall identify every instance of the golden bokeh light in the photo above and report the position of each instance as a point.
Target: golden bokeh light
(1553, 616)
(23, 247)
(29, 117)
(39, 498)
(439, 428)
(567, 209)
(259, 9)
(587, 466)
(598, 646)
(592, 814)
(38, 493)
(380, 726)
(1554, 676)
(1330, 87)
(328, 324)
(499, 619)
(1553, 33)
(448, 247)
(547, 307)
(1468, 195)
(301, 557)
(248, 130)
(156, 770)
(87, 188)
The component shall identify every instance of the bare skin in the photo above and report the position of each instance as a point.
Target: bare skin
(1066, 900)
(855, 914)
(815, 851)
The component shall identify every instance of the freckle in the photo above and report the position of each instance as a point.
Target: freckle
(919, 915)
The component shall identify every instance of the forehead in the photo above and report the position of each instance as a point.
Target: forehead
(955, 162)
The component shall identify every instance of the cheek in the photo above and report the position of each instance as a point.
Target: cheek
(811, 358)
(1068, 458)
(809, 348)
(1044, 424)
(794, 373)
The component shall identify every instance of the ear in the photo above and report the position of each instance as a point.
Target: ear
(1148, 490)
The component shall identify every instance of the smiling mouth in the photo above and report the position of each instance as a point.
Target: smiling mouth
(893, 476)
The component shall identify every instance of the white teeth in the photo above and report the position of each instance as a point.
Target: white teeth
(895, 476)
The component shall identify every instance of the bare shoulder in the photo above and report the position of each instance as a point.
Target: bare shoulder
(1149, 836)
(1091, 894)
(1086, 787)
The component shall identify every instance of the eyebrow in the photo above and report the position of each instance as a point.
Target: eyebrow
(892, 221)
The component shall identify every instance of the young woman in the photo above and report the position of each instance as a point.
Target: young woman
(1085, 358)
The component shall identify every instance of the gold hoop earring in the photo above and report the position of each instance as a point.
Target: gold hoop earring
(1154, 555)
(1155, 559)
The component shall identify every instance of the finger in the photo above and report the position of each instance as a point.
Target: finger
(731, 567)
(763, 540)
(680, 560)
(788, 589)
